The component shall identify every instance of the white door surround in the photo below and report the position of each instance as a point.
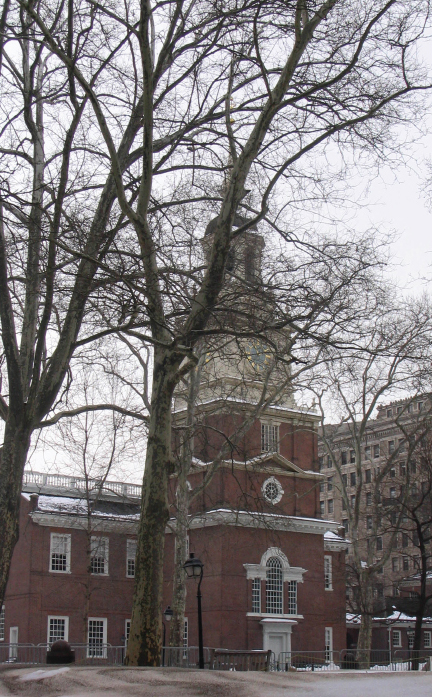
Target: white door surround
(277, 634)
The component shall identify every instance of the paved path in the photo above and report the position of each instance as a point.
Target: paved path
(130, 682)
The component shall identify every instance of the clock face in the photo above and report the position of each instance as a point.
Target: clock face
(258, 354)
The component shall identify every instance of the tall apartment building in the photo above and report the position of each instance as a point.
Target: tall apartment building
(386, 452)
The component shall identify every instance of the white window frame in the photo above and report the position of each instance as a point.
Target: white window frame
(396, 638)
(103, 653)
(427, 639)
(127, 631)
(185, 636)
(269, 437)
(130, 556)
(67, 538)
(98, 542)
(2, 623)
(328, 644)
(274, 587)
(66, 627)
(328, 572)
(256, 595)
(276, 485)
(292, 598)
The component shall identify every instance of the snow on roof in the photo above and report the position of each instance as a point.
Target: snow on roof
(72, 506)
(329, 535)
(396, 616)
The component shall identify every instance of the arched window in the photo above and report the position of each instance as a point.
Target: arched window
(274, 587)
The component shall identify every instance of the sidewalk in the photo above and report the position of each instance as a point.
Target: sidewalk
(147, 682)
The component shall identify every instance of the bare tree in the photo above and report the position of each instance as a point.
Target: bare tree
(238, 108)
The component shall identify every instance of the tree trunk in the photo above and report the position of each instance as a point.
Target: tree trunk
(365, 633)
(13, 456)
(145, 638)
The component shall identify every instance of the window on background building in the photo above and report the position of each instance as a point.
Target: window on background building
(393, 472)
(395, 564)
(399, 410)
(97, 637)
(352, 478)
(345, 523)
(392, 492)
(344, 507)
(352, 456)
(330, 505)
(58, 628)
(367, 452)
(345, 480)
(344, 457)
(397, 638)
(2, 624)
(322, 507)
(322, 487)
(274, 587)
(321, 461)
(329, 462)
(405, 539)
(329, 483)
(402, 469)
(60, 553)
(427, 639)
(328, 573)
(353, 501)
(99, 555)
(131, 548)
(380, 590)
(405, 563)
(411, 640)
(379, 544)
(269, 438)
(368, 498)
(416, 561)
(415, 538)
(368, 476)
(328, 644)
(292, 597)
(396, 591)
(127, 631)
(410, 409)
(413, 467)
(376, 450)
(185, 636)
(401, 444)
(389, 413)
(369, 522)
(419, 406)
(391, 446)
(256, 595)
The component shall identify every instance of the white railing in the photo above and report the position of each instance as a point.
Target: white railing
(40, 480)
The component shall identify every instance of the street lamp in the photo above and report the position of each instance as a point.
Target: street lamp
(168, 617)
(410, 636)
(194, 569)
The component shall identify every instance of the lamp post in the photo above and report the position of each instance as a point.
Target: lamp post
(168, 616)
(194, 569)
(410, 636)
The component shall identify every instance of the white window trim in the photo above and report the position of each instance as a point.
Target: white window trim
(99, 538)
(68, 553)
(427, 645)
(104, 635)
(129, 556)
(3, 617)
(58, 617)
(278, 485)
(396, 633)
(270, 423)
(126, 632)
(328, 632)
(328, 572)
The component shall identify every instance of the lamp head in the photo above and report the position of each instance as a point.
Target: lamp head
(193, 566)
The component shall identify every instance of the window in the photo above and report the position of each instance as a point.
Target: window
(393, 472)
(401, 443)
(329, 462)
(185, 635)
(99, 555)
(2, 624)
(58, 628)
(344, 506)
(389, 413)
(352, 456)
(419, 406)
(352, 478)
(397, 638)
(376, 450)
(392, 492)
(369, 522)
(391, 446)
(394, 518)
(405, 563)
(322, 486)
(353, 501)
(344, 457)
(402, 469)
(427, 636)
(415, 538)
(416, 561)
(292, 597)
(368, 452)
(322, 507)
(97, 637)
(272, 490)
(60, 553)
(413, 466)
(269, 438)
(329, 483)
(328, 643)
(321, 462)
(379, 544)
(379, 590)
(256, 595)
(399, 410)
(345, 523)
(328, 580)
(345, 480)
(127, 631)
(368, 476)
(395, 564)
(131, 547)
(330, 505)
(405, 539)
(368, 498)
(274, 586)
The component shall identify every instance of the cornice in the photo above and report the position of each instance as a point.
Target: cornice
(273, 521)
(81, 522)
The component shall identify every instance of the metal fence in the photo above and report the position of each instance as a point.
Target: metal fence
(218, 659)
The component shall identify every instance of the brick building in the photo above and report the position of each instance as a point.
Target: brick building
(274, 574)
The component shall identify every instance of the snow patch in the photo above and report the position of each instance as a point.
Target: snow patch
(42, 674)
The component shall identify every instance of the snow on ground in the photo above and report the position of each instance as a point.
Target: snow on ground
(136, 682)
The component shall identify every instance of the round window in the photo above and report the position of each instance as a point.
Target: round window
(272, 490)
